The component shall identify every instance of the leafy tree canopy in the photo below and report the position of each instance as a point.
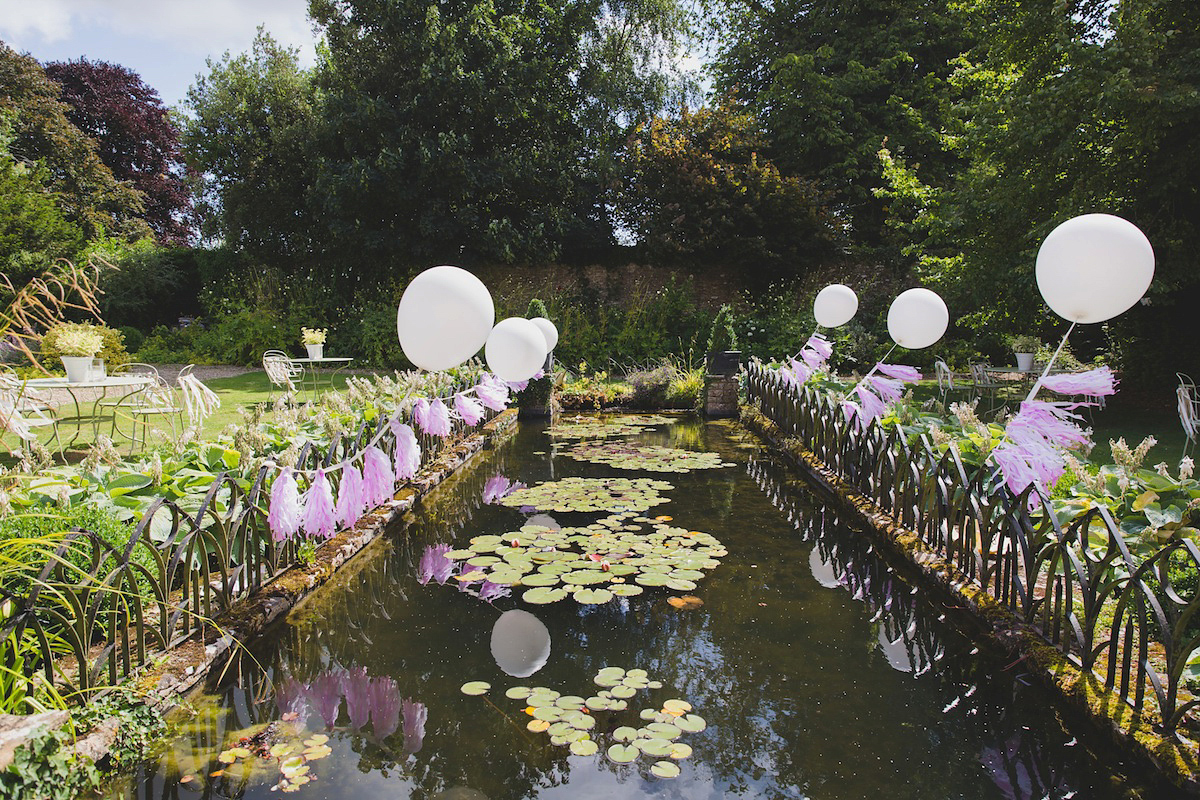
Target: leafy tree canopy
(91, 197)
(135, 135)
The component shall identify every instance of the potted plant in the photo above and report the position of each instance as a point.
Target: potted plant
(77, 345)
(314, 341)
(723, 355)
(1025, 347)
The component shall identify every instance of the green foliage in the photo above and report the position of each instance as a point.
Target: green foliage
(45, 768)
(139, 726)
(86, 192)
(150, 286)
(650, 386)
(536, 309)
(698, 191)
(721, 337)
(133, 338)
(112, 350)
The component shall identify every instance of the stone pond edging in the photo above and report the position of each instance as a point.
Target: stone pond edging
(1177, 761)
(185, 666)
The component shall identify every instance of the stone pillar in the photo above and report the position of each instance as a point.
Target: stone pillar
(720, 396)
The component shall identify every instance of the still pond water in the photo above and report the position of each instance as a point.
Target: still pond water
(818, 672)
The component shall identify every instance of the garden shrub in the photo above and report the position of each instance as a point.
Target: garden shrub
(133, 338)
(686, 389)
(46, 524)
(112, 350)
(650, 386)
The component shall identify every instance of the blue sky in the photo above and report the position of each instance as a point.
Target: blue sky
(164, 41)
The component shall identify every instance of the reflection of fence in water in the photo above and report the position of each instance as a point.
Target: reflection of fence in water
(1079, 583)
(85, 627)
(907, 634)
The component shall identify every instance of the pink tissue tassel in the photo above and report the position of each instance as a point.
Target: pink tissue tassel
(408, 452)
(319, 521)
(437, 421)
(283, 516)
(468, 409)
(379, 481)
(352, 499)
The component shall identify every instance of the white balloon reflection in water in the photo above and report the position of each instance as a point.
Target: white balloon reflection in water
(1094, 267)
(515, 350)
(445, 315)
(520, 643)
(822, 570)
(549, 330)
(835, 305)
(545, 520)
(917, 318)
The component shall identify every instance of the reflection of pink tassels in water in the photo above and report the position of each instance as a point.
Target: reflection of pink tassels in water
(385, 706)
(356, 686)
(415, 716)
(325, 694)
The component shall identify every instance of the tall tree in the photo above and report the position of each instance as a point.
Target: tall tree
(248, 138)
(833, 81)
(480, 130)
(136, 138)
(43, 134)
(700, 193)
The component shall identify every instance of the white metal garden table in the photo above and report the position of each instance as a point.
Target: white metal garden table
(93, 390)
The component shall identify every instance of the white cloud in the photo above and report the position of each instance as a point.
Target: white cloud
(203, 27)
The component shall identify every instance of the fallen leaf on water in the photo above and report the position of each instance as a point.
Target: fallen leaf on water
(216, 774)
(291, 716)
(687, 602)
(187, 779)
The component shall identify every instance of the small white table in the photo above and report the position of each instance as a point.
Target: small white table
(337, 364)
(131, 384)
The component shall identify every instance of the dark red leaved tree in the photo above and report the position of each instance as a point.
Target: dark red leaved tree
(136, 137)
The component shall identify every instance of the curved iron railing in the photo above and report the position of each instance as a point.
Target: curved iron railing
(85, 627)
(1112, 614)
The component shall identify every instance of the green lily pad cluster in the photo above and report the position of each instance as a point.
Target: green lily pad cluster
(648, 458)
(615, 557)
(597, 427)
(570, 721)
(591, 495)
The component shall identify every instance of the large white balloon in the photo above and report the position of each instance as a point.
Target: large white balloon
(444, 317)
(917, 318)
(1094, 267)
(548, 330)
(520, 643)
(835, 305)
(515, 350)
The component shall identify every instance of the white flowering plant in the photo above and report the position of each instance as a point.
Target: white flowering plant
(313, 335)
(79, 340)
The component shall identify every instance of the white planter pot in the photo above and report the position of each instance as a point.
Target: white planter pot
(78, 368)
(1025, 361)
(315, 350)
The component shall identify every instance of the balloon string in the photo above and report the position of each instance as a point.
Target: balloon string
(1038, 383)
(872, 372)
(816, 330)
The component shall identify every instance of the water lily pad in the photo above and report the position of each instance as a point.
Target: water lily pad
(599, 427)
(592, 596)
(590, 494)
(543, 594)
(609, 676)
(549, 713)
(623, 692)
(665, 769)
(625, 734)
(518, 693)
(584, 747)
(623, 753)
(677, 706)
(680, 750)
(646, 458)
(653, 746)
(460, 554)
(690, 723)
(538, 725)
(626, 590)
(584, 722)
(559, 729)
(320, 751)
(569, 701)
(539, 579)
(475, 687)
(599, 703)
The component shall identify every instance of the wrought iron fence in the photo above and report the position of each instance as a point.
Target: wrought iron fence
(1110, 613)
(97, 613)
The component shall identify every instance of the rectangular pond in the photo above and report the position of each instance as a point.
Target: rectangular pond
(763, 651)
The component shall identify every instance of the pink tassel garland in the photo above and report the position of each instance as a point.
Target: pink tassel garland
(379, 481)
(438, 419)
(408, 452)
(352, 499)
(284, 513)
(468, 409)
(319, 521)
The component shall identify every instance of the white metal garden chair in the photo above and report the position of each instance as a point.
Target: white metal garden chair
(984, 386)
(156, 401)
(281, 371)
(1189, 410)
(947, 381)
(28, 399)
(133, 368)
